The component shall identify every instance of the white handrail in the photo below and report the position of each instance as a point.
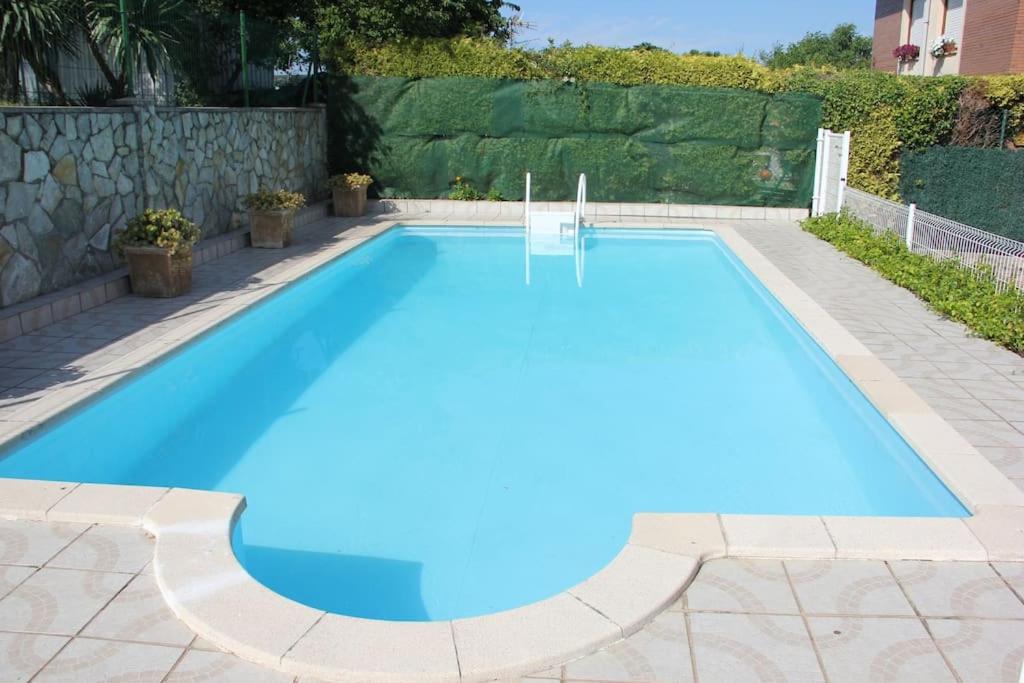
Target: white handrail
(526, 227)
(526, 217)
(578, 216)
(581, 203)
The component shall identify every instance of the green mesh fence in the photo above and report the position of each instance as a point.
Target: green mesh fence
(171, 52)
(636, 144)
(946, 181)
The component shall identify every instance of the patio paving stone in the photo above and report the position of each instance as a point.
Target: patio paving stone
(106, 548)
(22, 655)
(875, 649)
(981, 650)
(139, 613)
(84, 659)
(957, 589)
(847, 587)
(752, 647)
(748, 586)
(58, 601)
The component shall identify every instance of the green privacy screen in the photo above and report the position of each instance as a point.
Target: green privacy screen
(653, 143)
(947, 180)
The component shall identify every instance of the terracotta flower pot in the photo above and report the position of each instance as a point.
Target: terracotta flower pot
(271, 228)
(349, 202)
(155, 272)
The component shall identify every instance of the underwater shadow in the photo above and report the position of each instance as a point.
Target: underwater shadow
(353, 585)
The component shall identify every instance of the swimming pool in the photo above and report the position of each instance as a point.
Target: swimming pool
(421, 435)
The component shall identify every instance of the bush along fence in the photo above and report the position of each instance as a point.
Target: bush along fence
(652, 143)
(971, 295)
(887, 114)
(70, 178)
(972, 276)
(947, 180)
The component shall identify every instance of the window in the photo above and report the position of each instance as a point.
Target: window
(918, 23)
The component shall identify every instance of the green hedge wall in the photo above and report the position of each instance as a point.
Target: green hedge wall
(887, 114)
(637, 144)
(980, 187)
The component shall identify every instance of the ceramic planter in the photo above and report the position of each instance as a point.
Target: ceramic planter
(155, 272)
(271, 228)
(349, 202)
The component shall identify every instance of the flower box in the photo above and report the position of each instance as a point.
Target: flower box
(158, 272)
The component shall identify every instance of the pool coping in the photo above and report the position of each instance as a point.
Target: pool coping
(206, 587)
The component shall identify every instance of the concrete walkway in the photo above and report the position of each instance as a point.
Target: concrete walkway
(77, 603)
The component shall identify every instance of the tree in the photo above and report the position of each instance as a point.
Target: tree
(346, 21)
(154, 26)
(648, 47)
(29, 31)
(844, 48)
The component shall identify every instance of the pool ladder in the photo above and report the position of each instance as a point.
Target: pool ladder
(556, 233)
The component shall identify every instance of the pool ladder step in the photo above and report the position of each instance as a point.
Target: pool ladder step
(556, 233)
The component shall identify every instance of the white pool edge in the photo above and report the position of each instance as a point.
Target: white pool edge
(207, 588)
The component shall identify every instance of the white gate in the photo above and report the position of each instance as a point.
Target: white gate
(830, 169)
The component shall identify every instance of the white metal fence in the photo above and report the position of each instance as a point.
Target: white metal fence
(941, 238)
(923, 232)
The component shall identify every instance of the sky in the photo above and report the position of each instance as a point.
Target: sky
(728, 26)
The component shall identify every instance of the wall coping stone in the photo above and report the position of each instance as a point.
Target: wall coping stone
(47, 109)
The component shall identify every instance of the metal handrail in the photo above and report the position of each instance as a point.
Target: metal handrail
(579, 213)
(526, 217)
(526, 227)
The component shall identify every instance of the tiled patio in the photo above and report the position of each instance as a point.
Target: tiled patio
(77, 603)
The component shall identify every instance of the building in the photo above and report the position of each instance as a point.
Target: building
(967, 36)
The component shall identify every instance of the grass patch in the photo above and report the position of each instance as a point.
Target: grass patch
(967, 296)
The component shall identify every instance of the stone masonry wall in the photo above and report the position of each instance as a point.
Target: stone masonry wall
(70, 178)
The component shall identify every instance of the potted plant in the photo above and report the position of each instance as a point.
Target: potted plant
(158, 246)
(943, 46)
(271, 214)
(348, 192)
(906, 53)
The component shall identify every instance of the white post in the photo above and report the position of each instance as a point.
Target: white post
(816, 200)
(826, 153)
(911, 213)
(844, 168)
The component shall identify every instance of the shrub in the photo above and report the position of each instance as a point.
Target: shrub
(1007, 92)
(349, 181)
(463, 191)
(962, 294)
(274, 200)
(921, 111)
(164, 228)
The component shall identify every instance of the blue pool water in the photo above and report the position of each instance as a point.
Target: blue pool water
(421, 435)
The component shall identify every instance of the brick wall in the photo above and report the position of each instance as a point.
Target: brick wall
(993, 37)
(888, 14)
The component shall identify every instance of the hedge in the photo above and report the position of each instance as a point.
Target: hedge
(934, 179)
(964, 295)
(643, 143)
(887, 114)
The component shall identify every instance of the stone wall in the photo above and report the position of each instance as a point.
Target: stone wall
(70, 178)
